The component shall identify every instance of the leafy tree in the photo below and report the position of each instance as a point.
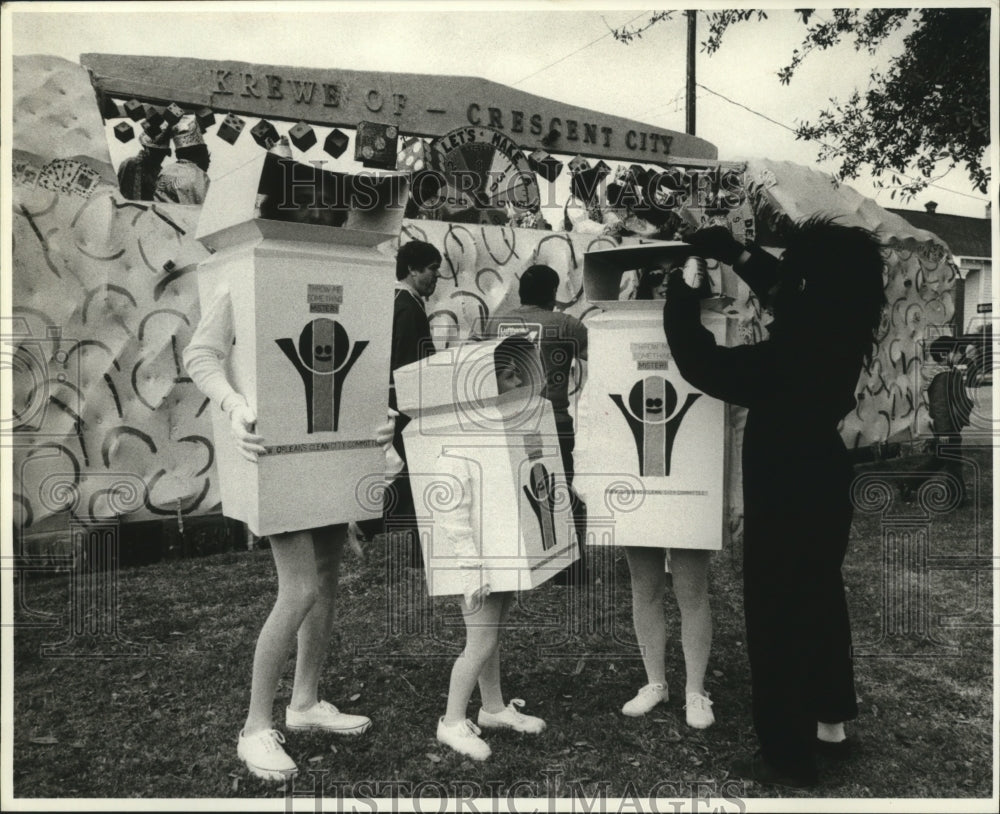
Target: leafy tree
(928, 110)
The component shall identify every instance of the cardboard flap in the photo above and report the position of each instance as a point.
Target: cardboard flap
(603, 270)
(265, 197)
(464, 374)
(465, 377)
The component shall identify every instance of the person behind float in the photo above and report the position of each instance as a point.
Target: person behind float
(689, 580)
(483, 610)
(950, 408)
(417, 266)
(307, 562)
(826, 296)
(186, 180)
(562, 342)
(138, 174)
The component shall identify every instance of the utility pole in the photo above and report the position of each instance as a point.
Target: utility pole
(692, 17)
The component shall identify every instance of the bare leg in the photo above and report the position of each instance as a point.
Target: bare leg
(317, 628)
(295, 561)
(690, 578)
(481, 637)
(489, 677)
(649, 582)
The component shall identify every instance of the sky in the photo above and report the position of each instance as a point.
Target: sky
(560, 50)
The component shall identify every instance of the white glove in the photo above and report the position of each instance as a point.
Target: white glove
(386, 432)
(476, 590)
(242, 421)
(694, 272)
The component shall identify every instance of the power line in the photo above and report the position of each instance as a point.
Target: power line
(577, 51)
(750, 109)
(835, 149)
(663, 105)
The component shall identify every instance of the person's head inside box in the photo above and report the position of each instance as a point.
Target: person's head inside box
(650, 282)
(515, 363)
(302, 193)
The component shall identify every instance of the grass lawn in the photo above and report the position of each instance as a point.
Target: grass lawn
(164, 723)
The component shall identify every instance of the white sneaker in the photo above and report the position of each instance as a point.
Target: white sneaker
(511, 718)
(326, 717)
(699, 711)
(647, 698)
(264, 756)
(464, 738)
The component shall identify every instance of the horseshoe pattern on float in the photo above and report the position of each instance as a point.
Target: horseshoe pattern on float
(483, 262)
(112, 436)
(107, 288)
(511, 251)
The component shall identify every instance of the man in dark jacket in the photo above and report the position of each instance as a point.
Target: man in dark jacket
(826, 296)
(417, 266)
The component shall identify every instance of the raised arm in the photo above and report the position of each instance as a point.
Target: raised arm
(756, 267)
(742, 375)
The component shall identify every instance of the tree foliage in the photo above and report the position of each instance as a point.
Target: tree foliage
(927, 112)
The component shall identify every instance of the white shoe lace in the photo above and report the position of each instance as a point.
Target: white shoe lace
(469, 729)
(697, 701)
(512, 707)
(650, 689)
(326, 706)
(270, 740)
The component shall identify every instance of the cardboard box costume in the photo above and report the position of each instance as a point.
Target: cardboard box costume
(465, 435)
(651, 449)
(312, 311)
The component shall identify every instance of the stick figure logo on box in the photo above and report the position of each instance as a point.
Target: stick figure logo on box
(323, 359)
(651, 402)
(541, 498)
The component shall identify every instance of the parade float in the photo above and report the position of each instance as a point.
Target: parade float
(108, 427)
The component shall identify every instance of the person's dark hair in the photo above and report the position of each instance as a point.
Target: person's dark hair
(154, 155)
(415, 254)
(517, 351)
(195, 153)
(831, 284)
(649, 279)
(538, 286)
(941, 348)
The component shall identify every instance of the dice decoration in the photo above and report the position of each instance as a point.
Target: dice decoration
(413, 157)
(336, 143)
(124, 132)
(205, 118)
(302, 136)
(172, 113)
(376, 145)
(265, 134)
(134, 110)
(231, 128)
(545, 165)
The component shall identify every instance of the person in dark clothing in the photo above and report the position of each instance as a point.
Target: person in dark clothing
(417, 265)
(826, 297)
(138, 174)
(950, 408)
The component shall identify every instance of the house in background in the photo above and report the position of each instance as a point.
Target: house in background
(971, 251)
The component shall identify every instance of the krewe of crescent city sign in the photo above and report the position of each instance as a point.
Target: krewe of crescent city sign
(417, 104)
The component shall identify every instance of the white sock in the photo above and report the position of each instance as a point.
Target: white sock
(832, 733)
